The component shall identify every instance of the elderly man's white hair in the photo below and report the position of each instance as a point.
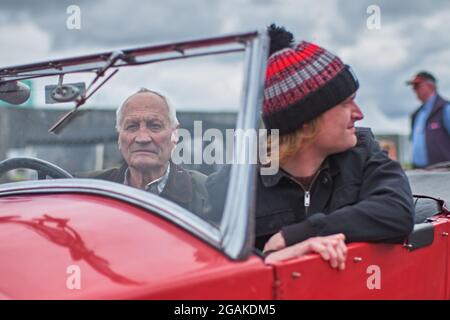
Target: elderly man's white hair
(172, 113)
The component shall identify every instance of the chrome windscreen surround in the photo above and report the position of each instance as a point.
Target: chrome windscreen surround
(238, 222)
(145, 200)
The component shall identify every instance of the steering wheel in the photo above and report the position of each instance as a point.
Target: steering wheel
(42, 167)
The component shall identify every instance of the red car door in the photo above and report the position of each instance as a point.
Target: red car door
(373, 271)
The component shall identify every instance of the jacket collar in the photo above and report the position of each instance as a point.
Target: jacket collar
(179, 185)
(119, 173)
(329, 165)
(438, 104)
(160, 182)
(273, 180)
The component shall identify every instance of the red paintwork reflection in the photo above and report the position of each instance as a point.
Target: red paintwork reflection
(58, 231)
(166, 260)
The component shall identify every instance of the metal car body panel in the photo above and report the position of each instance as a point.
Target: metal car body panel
(124, 251)
(373, 271)
(118, 250)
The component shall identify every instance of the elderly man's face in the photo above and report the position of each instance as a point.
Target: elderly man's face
(145, 132)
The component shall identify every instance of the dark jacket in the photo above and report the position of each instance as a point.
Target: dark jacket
(437, 138)
(360, 193)
(184, 187)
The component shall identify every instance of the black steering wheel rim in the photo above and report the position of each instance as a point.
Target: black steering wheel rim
(44, 168)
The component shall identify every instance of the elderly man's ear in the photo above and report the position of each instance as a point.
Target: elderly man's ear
(174, 137)
(118, 144)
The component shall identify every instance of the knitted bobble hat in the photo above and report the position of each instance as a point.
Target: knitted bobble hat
(302, 82)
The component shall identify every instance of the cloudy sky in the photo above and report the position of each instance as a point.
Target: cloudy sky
(413, 35)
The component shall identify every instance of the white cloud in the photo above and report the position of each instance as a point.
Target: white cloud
(23, 42)
(413, 36)
(204, 84)
(380, 123)
(437, 20)
(378, 50)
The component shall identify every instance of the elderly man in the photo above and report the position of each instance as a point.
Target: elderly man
(147, 127)
(430, 123)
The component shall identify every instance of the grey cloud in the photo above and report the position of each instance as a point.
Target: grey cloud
(120, 23)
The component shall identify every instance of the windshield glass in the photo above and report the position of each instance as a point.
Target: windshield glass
(160, 127)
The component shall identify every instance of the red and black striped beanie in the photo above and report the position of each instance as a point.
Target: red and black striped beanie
(302, 83)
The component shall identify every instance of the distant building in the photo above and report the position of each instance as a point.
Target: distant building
(402, 146)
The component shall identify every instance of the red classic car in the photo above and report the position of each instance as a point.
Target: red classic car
(72, 238)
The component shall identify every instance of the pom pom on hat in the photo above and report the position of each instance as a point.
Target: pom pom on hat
(280, 38)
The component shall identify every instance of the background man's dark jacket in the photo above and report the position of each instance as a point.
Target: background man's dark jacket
(360, 193)
(184, 187)
(437, 139)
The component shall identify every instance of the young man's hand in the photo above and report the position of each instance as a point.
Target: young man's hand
(331, 248)
(276, 242)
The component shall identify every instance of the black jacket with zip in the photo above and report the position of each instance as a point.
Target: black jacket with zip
(360, 193)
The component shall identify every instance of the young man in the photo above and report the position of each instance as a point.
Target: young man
(334, 178)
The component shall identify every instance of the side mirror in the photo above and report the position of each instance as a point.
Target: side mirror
(64, 92)
(61, 93)
(14, 92)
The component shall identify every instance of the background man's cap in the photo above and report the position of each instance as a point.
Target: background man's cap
(420, 77)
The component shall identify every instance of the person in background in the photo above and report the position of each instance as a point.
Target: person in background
(430, 123)
(389, 147)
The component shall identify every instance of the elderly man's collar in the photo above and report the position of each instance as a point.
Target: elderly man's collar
(160, 182)
(177, 187)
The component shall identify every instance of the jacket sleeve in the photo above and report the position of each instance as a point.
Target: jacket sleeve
(384, 212)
